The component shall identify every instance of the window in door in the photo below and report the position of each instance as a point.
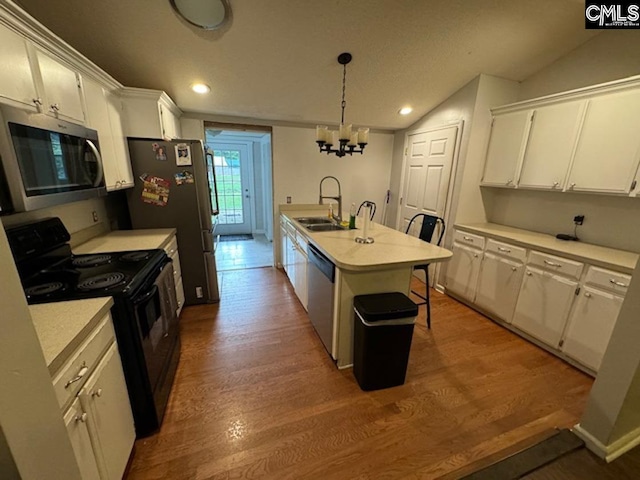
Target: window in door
(229, 185)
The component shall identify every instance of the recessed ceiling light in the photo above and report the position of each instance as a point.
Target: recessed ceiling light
(200, 88)
(405, 110)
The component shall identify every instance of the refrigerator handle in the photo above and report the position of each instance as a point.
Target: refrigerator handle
(212, 195)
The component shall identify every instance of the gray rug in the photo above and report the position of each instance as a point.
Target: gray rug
(235, 238)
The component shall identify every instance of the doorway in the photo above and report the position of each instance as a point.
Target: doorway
(429, 159)
(243, 180)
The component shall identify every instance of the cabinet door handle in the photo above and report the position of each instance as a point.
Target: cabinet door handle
(475, 255)
(619, 284)
(82, 418)
(468, 239)
(513, 269)
(588, 295)
(509, 182)
(81, 373)
(37, 101)
(572, 185)
(55, 107)
(97, 393)
(506, 250)
(553, 264)
(529, 273)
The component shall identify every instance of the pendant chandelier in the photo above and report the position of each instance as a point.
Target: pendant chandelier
(345, 141)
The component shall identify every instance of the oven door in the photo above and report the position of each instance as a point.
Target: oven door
(158, 336)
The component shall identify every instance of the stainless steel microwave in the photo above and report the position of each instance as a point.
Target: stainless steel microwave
(47, 161)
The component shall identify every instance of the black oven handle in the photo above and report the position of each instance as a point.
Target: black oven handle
(146, 296)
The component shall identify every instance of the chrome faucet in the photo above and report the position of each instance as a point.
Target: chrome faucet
(338, 217)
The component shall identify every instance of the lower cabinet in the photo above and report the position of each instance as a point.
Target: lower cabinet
(293, 257)
(543, 305)
(105, 400)
(463, 270)
(300, 276)
(590, 326)
(76, 422)
(498, 285)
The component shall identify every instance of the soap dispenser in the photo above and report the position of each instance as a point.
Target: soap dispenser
(352, 216)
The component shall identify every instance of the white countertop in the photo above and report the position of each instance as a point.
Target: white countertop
(124, 240)
(62, 326)
(391, 248)
(620, 260)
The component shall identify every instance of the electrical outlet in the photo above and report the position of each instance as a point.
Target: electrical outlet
(288, 199)
(95, 216)
(199, 293)
(578, 219)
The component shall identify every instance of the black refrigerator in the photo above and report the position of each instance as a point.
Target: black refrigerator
(175, 188)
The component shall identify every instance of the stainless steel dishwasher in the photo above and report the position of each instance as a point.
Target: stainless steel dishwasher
(321, 278)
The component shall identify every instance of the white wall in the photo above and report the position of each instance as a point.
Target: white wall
(298, 167)
(609, 221)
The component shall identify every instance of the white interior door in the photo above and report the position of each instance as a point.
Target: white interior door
(233, 169)
(427, 172)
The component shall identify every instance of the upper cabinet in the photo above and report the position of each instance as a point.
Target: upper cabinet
(150, 114)
(60, 88)
(104, 111)
(581, 141)
(506, 143)
(550, 146)
(608, 152)
(16, 81)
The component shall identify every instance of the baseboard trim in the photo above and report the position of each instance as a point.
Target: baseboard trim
(608, 452)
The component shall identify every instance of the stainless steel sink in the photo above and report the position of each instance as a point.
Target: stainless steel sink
(314, 220)
(324, 227)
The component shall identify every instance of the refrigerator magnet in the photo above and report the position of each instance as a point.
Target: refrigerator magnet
(183, 155)
(161, 153)
(156, 191)
(183, 177)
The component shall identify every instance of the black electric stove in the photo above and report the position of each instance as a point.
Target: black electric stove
(147, 335)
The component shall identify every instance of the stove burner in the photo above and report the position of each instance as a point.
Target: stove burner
(44, 289)
(103, 281)
(134, 256)
(91, 260)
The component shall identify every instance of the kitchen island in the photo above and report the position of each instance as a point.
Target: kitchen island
(383, 266)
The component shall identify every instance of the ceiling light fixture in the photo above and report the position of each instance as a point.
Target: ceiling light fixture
(200, 88)
(206, 14)
(345, 141)
(405, 110)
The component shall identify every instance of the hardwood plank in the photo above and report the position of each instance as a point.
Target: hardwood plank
(257, 396)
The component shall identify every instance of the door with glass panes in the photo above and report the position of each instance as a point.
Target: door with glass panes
(232, 167)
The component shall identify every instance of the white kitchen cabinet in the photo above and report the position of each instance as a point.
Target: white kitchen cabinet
(498, 285)
(590, 326)
(283, 243)
(76, 422)
(105, 399)
(463, 270)
(16, 80)
(60, 88)
(103, 115)
(552, 139)
(506, 145)
(543, 305)
(300, 266)
(608, 150)
(150, 114)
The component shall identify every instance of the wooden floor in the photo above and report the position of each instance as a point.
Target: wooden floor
(257, 396)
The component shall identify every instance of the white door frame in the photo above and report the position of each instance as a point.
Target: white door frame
(448, 214)
(252, 200)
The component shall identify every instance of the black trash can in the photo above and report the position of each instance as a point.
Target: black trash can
(383, 329)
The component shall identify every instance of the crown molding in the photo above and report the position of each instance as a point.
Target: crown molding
(18, 20)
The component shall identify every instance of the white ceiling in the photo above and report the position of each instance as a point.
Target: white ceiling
(276, 59)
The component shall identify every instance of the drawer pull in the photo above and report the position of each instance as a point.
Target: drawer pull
(506, 250)
(97, 393)
(513, 269)
(529, 273)
(82, 418)
(468, 239)
(588, 295)
(618, 284)
(81, 373)
(553, 264)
